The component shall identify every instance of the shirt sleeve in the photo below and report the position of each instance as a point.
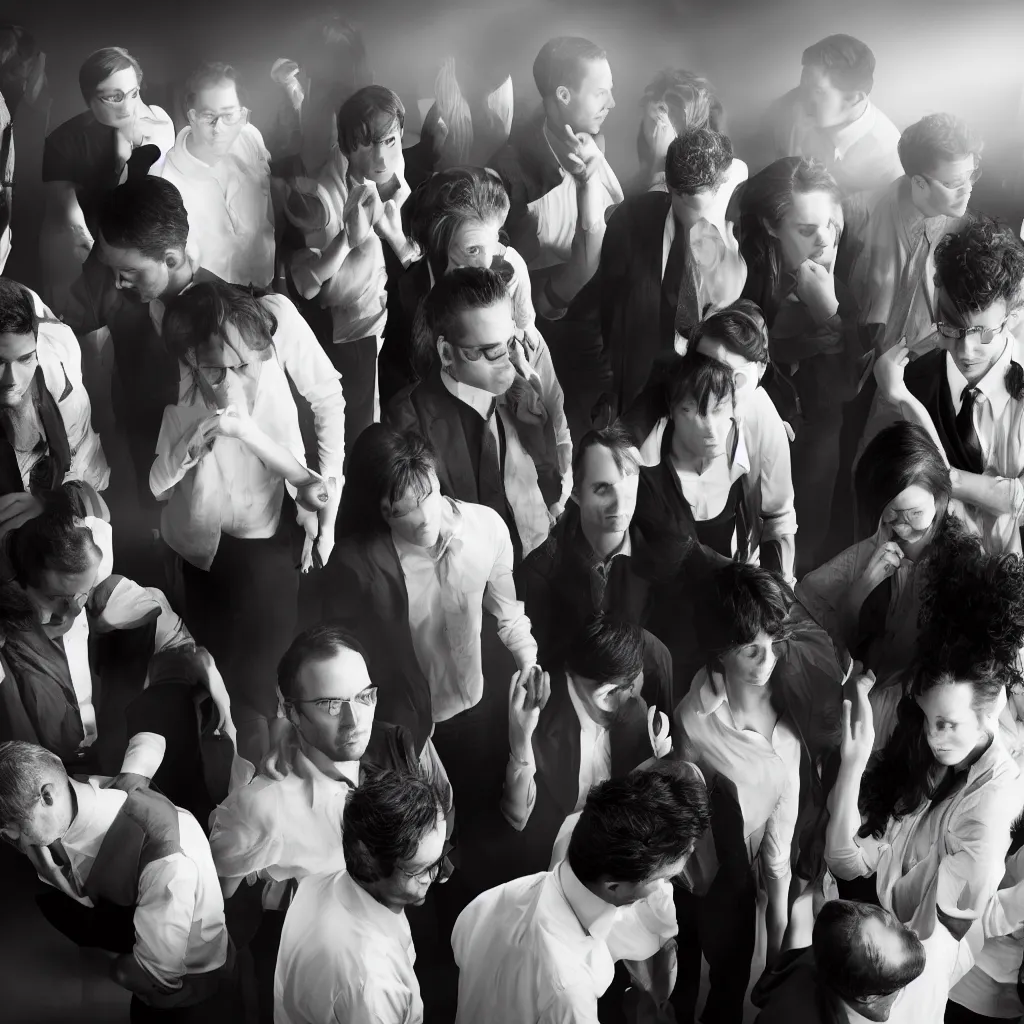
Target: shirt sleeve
(374, 1000)
(850, 857)
(576, 1004)
(242, 844)
(433, 768)
(500, 599)
(777, 843)
(173, 460)
(778, 513)
(144, 755)
(554, 402)
(163, 917)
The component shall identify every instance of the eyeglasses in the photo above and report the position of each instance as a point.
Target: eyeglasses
(229, 118)
(492, 353)
(918, 518)
(332, 705)
(115, 99)
(956, 186)
(985, 334)
(429, 873)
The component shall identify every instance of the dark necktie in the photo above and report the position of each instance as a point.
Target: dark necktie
(63, 862)
(491, 487)
(966, 432)
(679, 283)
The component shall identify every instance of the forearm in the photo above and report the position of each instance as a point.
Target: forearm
(998, 495)
(777, 912)
(277, 458)
(312, 270)
(519, 794)
(842, 853)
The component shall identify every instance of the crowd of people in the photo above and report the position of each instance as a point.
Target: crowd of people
(562, 575)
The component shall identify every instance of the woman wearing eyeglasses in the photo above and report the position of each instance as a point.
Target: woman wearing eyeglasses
(89, 155)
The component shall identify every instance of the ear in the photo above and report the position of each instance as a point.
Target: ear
(48, 794)
(174, 259)
(444, 352)
(191, 116)
(855, 99)
(563, 95)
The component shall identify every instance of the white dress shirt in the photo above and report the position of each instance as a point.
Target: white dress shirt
(448, 590)
(595, 749)
(707, 492)
(229, 207)
(344, 959)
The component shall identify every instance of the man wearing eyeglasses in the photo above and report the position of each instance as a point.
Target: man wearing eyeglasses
(969, 392)
(222, 170)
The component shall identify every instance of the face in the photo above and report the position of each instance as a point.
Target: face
(703, 436)
(409, 882)
(59, 597)
(605, 492)
(585, 109)
(478, 356)
(416, 516)
(809, 230)
(116, 99)
(689, 209)
(745, 374)
(230, 367)
(49, 818)
(605, 701)
(17, 367)
(975, 353)
(947, 189)
(752, 664)
(910, 516)
(474, 244)
(952, 727)
(216, 106)
(379, 161)
(342, 676)
(145, 278)
(827, 106)
(622, 894)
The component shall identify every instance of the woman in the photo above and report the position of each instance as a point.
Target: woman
(92, 153)
(790, 223)
(230, 459)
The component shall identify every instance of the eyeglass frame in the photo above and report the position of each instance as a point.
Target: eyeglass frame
(116, 98)
(972, 179)
(352, 702)
(204, 116)
(431, 872)
(962, 333)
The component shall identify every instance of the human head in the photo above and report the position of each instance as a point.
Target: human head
(638, 829)
(605, 480)
(684, 98)
(701, 401)
(143, 231)
(739, 622)
(21, 66)
(393, 837)
(605, 662)
(837, 77)
(370, 126)
(325, 663)
(941, 159)
(864, 956)
(19, 329)
(110, 80)
(696, 166)
(391, 483)
(979, 283)
(334, 55)
(469, 316)
(214, 103)
(738, 337)
(35, 795)
(456, 217)
(574, 80)
(902, 482)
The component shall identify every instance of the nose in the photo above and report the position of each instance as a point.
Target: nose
(971, 346)
(611, 102)
(348, 715)
(7, 377)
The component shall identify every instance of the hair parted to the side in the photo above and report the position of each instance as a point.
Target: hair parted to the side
(563, 61)
(698, 160)
(850, 64)
(689, 100)
(700, 379)
(24, 769)
(606, 649)
(17, 310)
(211, 73)
(101, 64)
(933, 139)
(740, 326)
(384, 822)
(461, 291)
(369, 115)
(617, 440)
(146, 214)
(318, 643)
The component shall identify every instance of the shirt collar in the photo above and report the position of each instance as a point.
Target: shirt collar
(87, 824)
(912, 219)
(587, 724)
(480, 401)
(850, 134)
(382, 918)
(594, 915)
(711, 694)
(992, 385)
(336, 771)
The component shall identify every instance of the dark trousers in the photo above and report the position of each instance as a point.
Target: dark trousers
(957, 1014)
(264, 946)
(356, 361)
(815, 464)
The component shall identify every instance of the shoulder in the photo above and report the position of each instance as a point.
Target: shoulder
(884, 130)
(76, 130)
(482, 521)
(250, 143)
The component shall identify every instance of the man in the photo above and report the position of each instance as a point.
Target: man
(45, 414)
(357, 204)
(668, 258)
(542, 948)
(890, 235)
(595, 726)
(346, 949)
(830, 117)
(222, 170)
(479, 412)
(136, 878)
(860, 961)
(969, 392)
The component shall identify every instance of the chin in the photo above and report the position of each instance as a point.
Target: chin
(949, 758)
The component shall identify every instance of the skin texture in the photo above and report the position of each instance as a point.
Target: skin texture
(416, 516)
(828, 105)
(585, 108)
(481, 331)
(17, 367)
(952, 727)
(946, 189)
(606, 496)
(211, 142)
(474, 244)
(409, 882)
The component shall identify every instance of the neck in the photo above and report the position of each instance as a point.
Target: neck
(74, 807)
(603, 543)
(856, 115)
(683, 458)
(374, 889)
(743, 697)
(178, 280)
(200, 152)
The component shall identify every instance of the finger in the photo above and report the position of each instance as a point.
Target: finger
(7, 525)
(513, 685)
(847, 715)
(864, 685)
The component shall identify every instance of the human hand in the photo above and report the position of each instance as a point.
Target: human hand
(528, 694)
(816, 289)
(661, 137)
(583, 154)
(858, 729)
(200, 442)
(361, 212)
(890, 368)
(234, 421)
(884, 561)
(127, 782)
(658, 732)
(285, 73)
(16, 509)
(215, 686)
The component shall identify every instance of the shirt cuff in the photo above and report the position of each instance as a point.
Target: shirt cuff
(144, 755)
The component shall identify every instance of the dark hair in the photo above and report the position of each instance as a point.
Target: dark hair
(384, 822)
(690, 101)
(740, 327)
(24, 769)
(368, 116)
(701, 378)
(766, 198)
(848, 962)
(970, 630)
(604, 650)
(18, 49)
(616, 439)
(935, 138)
(211, 73)
(446, 201)
(146, 214)
(101, 64)
(849, 63)
(17, 310)
(562, 61)
(633, 826)
(383, 465)
(332, 33)
(461, 291)
(318, 643)
(900, 456)
(697, 160)
(980, 264)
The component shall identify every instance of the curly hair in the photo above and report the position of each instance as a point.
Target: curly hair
(935, 138)
(979, 265)
(697, 160)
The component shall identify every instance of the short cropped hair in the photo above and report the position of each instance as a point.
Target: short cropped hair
(101, 64)
(24, 769)
(702, 379)
(632, 827)
(562, 61)
(740, 327)
(318, 643)
(211, 73)
(384, 822)
(17, 310)
(147, 214)
(849, 63)
(979, 265)
(368, 116)
(852, 966)
(617, 440)
(604, 650)
(933, 139)
(461, 291)
(697, 160)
